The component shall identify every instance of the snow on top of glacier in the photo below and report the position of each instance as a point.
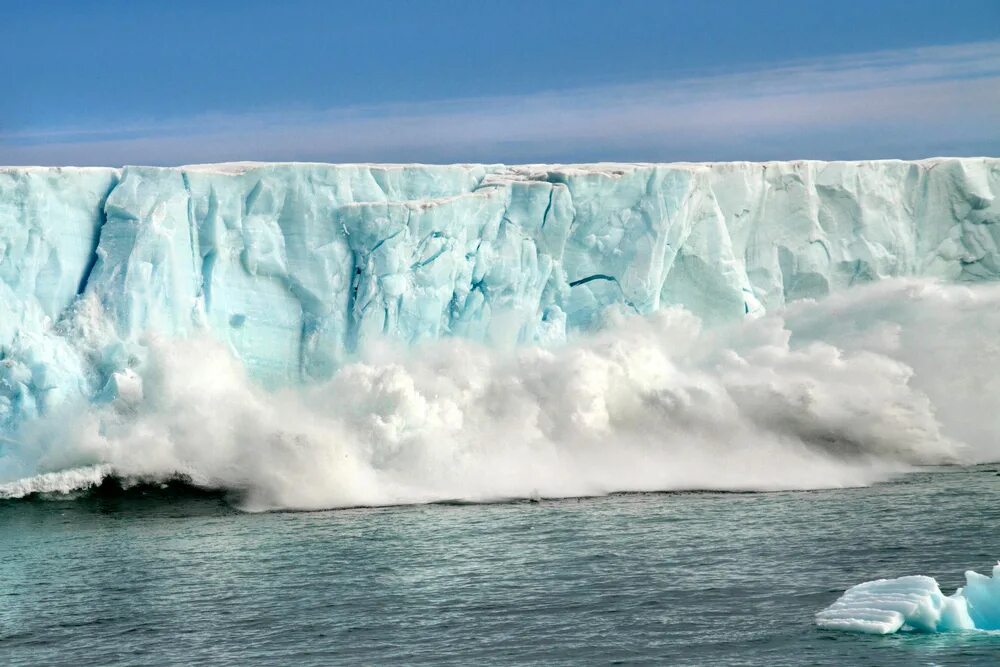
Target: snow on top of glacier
(68, 169)
(244, 167)
(608, 168)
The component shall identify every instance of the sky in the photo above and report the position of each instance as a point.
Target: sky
(89, 82)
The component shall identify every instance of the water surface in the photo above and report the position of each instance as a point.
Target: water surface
(175, 577)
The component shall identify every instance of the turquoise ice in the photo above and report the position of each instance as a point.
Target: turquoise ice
(916, 604)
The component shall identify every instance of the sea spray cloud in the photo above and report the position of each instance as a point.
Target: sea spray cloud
(652, 403)
(945, 334)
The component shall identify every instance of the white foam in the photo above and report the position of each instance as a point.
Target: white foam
(654, 403)
(63, 481)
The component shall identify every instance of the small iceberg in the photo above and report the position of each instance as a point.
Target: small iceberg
(916, 604)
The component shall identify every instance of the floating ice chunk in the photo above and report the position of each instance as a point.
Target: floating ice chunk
(982, 595)
(890, 605)
(916, 604)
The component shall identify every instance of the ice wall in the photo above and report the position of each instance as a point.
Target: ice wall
(297, 267)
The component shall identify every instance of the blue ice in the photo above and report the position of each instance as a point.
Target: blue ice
(916, 604)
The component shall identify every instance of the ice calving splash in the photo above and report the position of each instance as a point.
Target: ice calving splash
(647, 403)
(143, 311)
(916, 604)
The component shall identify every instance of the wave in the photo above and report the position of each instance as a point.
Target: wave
(165, 497)
(845, 391)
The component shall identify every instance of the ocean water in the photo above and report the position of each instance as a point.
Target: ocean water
(175, 576)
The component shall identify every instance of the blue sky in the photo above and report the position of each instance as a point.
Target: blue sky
(114, 82)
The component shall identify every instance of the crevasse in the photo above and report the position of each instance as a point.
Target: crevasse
(298, 267)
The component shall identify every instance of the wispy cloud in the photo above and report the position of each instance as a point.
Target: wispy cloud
(907, 103)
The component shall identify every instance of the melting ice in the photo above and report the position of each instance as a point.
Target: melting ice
(916, 604)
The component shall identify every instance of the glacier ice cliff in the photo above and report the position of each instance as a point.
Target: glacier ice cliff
(916, 604)
(294, 266)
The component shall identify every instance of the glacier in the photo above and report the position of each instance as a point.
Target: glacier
(294, 266)
(916, 604)
(301, 274)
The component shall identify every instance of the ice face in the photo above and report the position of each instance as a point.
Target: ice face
(297, 268)
(50, 222)
(916, 604)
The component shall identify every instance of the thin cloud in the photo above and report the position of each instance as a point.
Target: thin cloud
(906, 103)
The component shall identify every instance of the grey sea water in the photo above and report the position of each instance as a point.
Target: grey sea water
(178, 577)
